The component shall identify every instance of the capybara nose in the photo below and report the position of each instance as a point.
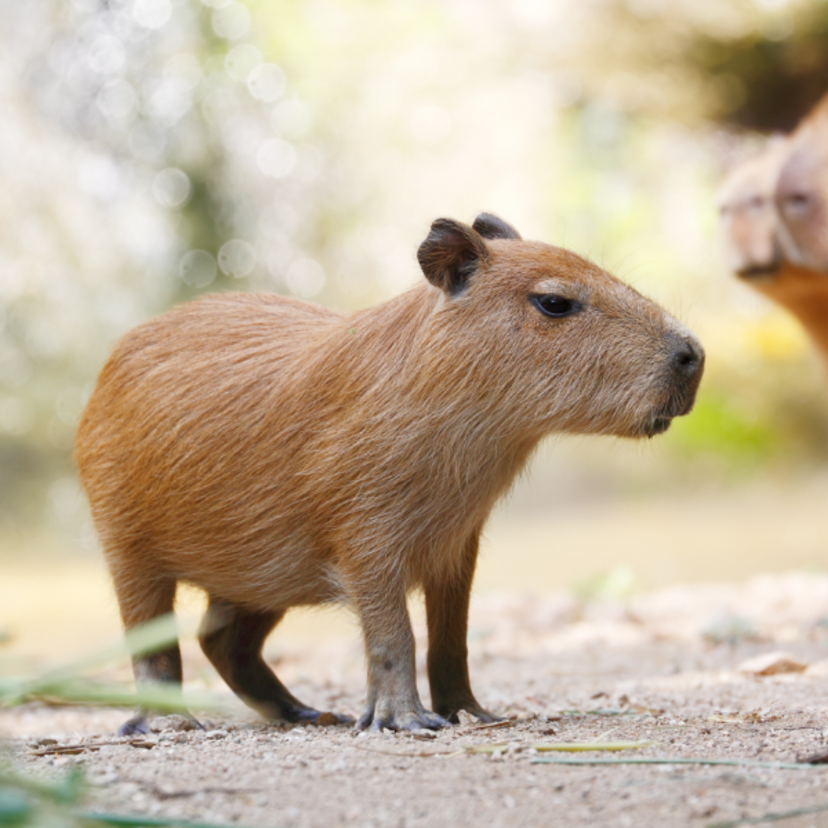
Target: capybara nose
(687, 355)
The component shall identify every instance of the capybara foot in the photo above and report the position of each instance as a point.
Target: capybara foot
(401, 720)
(136, 726)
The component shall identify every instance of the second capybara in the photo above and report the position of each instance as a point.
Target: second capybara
(757, 241)
(279, 454)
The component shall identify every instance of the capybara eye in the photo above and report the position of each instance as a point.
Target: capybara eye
(798, 202)
(550, 304)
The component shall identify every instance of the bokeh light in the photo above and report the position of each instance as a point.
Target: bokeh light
(155, 150)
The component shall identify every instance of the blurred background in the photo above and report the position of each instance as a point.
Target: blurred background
(155, 150)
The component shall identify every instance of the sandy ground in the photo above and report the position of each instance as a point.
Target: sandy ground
(662, 666)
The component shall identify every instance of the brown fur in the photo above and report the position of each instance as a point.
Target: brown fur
(279, 454)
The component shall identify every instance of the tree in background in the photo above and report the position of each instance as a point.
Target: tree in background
(150, 153)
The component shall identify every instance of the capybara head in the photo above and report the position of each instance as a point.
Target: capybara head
(748, 221)
(555, 340)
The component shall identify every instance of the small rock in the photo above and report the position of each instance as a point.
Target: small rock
(44, 742)
(215, 734)
(772, 664)
(422, 734)
(174, 722)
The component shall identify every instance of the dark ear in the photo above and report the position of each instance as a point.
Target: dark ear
(450, 254)
(492, 227)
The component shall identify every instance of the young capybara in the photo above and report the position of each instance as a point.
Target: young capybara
(756, 242)
(279, 454)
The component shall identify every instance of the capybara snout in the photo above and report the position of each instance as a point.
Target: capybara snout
(682, 373)
(276, 453)
(687, 363)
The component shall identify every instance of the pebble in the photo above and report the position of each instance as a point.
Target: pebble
(771, 664)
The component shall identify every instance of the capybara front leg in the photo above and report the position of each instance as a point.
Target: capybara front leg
(447, 611)
(232, 638)
(393, 701)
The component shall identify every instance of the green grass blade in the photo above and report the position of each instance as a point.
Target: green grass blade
(643, 760)
(145, 822)
(158, 634)
(770, 817)
(155, 697)
(66, 684)
(576, 747)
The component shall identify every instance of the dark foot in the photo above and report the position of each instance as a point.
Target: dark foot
(408, 720)
(136, 726)
(479, 713)
(309, 715)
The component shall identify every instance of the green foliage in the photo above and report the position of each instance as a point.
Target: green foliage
(147, 181)
(27, 802)
(772, 414)
(720, 427)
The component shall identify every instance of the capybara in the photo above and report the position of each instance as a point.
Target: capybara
(756, 242)
(280, 454)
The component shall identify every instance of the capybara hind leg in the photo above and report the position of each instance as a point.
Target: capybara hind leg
(232, 638)
(163, 666)
(447, 611)
(139, 606)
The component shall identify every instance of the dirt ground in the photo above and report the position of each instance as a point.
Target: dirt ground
(662, 667)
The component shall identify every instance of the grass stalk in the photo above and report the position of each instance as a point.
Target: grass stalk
(659, 760)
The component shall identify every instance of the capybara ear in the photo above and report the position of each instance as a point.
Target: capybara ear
(492, 227)
(450, 254)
